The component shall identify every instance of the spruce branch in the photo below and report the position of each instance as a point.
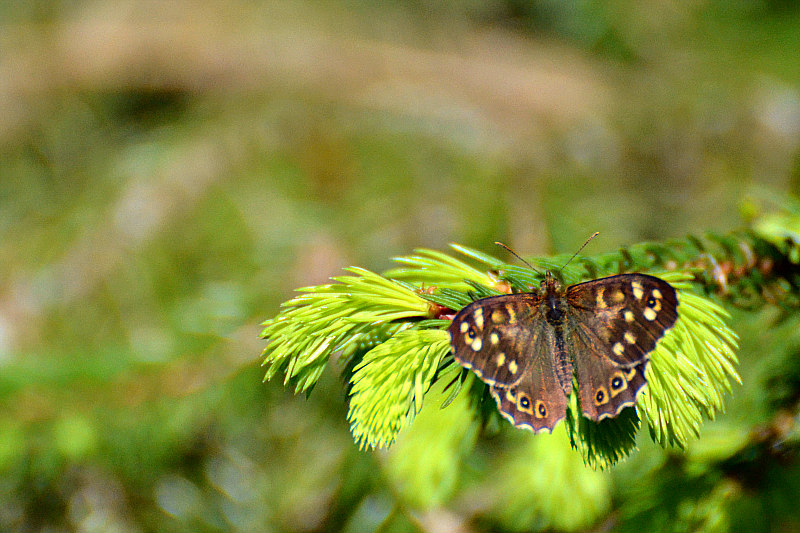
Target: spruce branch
(388, 331)
(444, 271)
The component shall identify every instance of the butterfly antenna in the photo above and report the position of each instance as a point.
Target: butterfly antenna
(595, 234)
(518, 257)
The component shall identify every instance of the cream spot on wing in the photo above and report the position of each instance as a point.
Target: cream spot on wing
(512, 315)
(477, 344)
(512, 367)
(638, 290)
(656, 293)
(619, 349)
(618, 296)
(501, 359)
(601, 303)
(464, 327)
(649, 314)
(478, 317)
(497, 316)
(628, 316)
(494, 338)
(630, 338)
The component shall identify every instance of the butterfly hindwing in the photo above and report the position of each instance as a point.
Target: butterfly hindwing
(604, 387)
(536, 402)
(493, 337)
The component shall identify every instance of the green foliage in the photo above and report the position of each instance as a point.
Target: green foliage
(424, 464)
(689, 372)
(390, 383)
(603, 443)
(445, 271)
(543, 485)
(330, 318)
(780, 224)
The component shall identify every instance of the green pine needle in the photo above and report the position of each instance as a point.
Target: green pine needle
(425, 463)
(604, 443)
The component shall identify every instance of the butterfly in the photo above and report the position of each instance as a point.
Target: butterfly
(528, 346)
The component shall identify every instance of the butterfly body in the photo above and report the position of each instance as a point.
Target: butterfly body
(528, 346)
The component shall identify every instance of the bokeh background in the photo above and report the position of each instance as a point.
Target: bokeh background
(171, 171)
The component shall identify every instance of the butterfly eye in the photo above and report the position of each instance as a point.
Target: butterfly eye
(541, 409)
(616, 383)
(651, 302)
(525, 403)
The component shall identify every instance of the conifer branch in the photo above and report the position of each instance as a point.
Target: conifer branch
(389, 332)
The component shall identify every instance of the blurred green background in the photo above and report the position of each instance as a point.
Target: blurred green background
(171, 171)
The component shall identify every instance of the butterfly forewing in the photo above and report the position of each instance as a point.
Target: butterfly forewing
(494, 337)
(622, 316)
(615, 324)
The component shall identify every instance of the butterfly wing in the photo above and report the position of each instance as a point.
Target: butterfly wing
(615, 323)
(493, 337)
(537, 402)
(604, 387)
(623, 316)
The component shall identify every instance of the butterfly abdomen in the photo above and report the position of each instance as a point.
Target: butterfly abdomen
(562, 362)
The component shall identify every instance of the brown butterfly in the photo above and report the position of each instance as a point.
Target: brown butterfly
(526, 346)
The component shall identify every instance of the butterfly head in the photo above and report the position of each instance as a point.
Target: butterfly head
(550, 284)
